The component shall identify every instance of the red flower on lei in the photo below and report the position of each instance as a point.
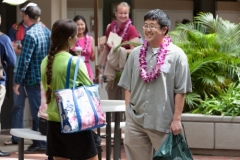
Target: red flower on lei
(161, 55)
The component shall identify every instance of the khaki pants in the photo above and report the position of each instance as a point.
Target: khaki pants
(2, 97)
(140, 142)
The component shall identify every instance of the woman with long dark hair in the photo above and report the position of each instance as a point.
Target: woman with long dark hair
(62, 146)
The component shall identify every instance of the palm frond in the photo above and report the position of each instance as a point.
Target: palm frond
(213, 25)
(192, 100)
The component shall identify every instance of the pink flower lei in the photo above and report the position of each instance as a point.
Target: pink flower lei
(161, 55)
(87, 41)
(125, 28)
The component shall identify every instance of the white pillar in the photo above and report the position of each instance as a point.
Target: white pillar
(58, 10)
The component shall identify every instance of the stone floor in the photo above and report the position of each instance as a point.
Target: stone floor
(4, 135)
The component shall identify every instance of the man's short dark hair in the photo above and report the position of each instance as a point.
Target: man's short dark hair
(32, 10)
(160, 16)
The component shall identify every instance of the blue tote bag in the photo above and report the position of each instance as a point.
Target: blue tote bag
(79, 107)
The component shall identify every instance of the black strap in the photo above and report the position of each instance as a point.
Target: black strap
(184, 134)
(182, 137)
(186, 139)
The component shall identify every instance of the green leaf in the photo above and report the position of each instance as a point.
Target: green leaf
(125, 43)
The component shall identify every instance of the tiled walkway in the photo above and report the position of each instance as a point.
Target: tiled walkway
(13, 148)
(43, 157)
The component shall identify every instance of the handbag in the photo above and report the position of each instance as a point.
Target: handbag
(174, 147)
(79, 107)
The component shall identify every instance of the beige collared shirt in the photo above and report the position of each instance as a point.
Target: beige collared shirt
(152, 104)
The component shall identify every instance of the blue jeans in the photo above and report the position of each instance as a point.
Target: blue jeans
(18, 109)
(34, 98)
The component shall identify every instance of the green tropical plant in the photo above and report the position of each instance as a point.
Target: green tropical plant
(191, 101)
(126, 43)
(226, 104)
(212, 46)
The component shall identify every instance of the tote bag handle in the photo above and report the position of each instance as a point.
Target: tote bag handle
(74, 86)
(89, 97)
(68, 72)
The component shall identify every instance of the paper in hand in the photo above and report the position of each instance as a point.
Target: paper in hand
(114, 38)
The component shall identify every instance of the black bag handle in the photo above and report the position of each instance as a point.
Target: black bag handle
(182, 137)
(184, 134)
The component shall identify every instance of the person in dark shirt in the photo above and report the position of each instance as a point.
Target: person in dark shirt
(16, 35)
(8, 58)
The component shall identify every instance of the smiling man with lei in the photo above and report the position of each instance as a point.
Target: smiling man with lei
(156, 78)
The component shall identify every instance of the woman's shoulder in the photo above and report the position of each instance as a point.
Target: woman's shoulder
(132, 32)
(132, 28)
(81, 63)
(109, 27)
(111, 24)
(62, 57)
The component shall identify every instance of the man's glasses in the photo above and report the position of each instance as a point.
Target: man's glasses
(151, 27)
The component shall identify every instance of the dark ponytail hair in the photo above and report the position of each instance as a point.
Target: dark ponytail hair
(61, 31)
(79, 17)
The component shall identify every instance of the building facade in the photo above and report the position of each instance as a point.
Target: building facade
(53, 10)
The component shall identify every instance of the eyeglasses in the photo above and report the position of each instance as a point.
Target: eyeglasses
(150, 27)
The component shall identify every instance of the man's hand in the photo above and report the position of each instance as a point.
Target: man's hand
(111, 45)
(15, 89)
(16, 48)
(176, 127)
(101, 47)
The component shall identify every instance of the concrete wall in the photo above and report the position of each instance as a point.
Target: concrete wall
(163, 4)
(182, 8)
(83, 3)
(212, 135)
(229, 11)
